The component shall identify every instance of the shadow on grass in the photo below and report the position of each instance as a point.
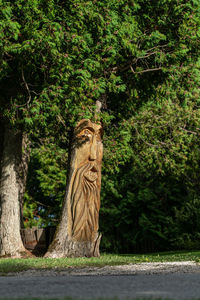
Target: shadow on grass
(11, 265)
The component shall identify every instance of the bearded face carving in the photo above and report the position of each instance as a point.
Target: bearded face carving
(86, 181)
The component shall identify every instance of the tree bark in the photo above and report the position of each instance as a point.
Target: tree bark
(13, 171)
(77, 234)
(22, 163)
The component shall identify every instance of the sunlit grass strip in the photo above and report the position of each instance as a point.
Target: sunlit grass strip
(16, 265)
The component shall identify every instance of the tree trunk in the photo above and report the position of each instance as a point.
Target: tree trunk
(13, 170)
(22, 163)
(77, 234)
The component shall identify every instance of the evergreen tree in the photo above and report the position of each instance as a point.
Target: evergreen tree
(139, 58)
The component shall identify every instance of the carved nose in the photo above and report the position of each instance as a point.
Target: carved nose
(93, 149)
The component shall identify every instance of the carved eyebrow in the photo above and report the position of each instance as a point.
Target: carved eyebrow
(89, 128)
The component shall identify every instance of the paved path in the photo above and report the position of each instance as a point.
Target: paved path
(173, 285)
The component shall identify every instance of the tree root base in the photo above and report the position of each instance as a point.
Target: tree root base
(20, 254)
(73, 248)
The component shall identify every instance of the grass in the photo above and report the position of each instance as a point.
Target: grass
(16, 265)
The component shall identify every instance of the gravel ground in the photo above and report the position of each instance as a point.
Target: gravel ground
(175, 281)
(131, 269)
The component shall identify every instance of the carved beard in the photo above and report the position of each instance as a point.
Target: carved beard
(85, 203)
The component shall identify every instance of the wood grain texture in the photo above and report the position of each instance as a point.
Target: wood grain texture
(77, 233)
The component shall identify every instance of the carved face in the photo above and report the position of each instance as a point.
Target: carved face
(86, 181)
(89, 147)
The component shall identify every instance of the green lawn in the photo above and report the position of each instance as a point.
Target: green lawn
(16, 265)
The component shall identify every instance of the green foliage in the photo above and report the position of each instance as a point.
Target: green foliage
(46, 185)
(30, 213)
(141, 59)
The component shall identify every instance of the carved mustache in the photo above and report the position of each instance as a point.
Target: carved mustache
(94, 168)
(91, 173)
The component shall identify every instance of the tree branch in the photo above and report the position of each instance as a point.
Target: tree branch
(189, 131)
(144, 71)
(26, 85)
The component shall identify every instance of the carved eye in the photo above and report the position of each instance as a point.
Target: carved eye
(98, 136)
(87, 132)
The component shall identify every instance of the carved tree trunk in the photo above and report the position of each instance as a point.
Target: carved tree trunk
(77, 234)
(13, 170)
